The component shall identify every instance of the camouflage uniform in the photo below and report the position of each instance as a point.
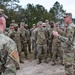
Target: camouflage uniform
(41, 40)
(15, 35)
(8, 51)
(24, 36)
(34, 43)
(56, 47)
(29, 41)
(69, 52)
(68, 39)
(32, 36)
(48, 40)
(8, 54)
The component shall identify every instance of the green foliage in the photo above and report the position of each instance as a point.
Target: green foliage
(56, 11)
(31, 14)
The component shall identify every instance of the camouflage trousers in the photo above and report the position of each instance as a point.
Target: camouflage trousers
(56, 50)
(42, 51)
(24, 49)
(49, 49)
(35, 50)
(33, 42)
(18, 44)
(69, 59)
(29, 45)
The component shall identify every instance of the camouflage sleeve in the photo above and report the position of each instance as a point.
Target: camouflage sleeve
(51, 36)
(11, 34)
(27, 36)
(35, 35)
(47, 34)
(68, 39)
(61, 32)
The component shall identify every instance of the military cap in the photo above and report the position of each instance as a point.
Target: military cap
(44, 24)
(67, 14)
(26, 25)
(12, 20)
(40, 22)
(16, 25)
(46, 20)
(12, 24)
(33, 24)
(57, 23)
(51, 22)
(22, 24)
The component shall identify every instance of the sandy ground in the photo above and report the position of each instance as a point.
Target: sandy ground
(30, 67)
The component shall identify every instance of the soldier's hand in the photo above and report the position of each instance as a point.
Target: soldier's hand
(55, 33)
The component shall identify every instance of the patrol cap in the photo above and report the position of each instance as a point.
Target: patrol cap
(22, 24)
(51, 22)
(46, 21)
(44, 24)
(26, 25)
(12, 24)
(12, 20)
(33, 24)
(57, 24)
(16, 25)
(67, 15)
(40, 22)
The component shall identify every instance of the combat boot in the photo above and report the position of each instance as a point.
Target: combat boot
(21, 61)
(39, 61)
(62, 63)
(53, 63)
(17, 68)
(46, 61)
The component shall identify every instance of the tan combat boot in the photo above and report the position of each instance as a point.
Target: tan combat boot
(53, 63)
(39, 61)
(62, 63)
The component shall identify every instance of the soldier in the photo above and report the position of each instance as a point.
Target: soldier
(13, 22)
(14, 34)
(40, 36)
(17, 39)
(8, 51)
(29, 38)
(56, 45)
(69, 42)
(47, 25)
(34, 43)
(48, 40)
(24, 36)
(32, 36)
(52, 24)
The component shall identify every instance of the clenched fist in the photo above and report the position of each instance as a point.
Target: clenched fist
(55, 33)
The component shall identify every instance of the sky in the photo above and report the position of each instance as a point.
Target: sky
(68, 5)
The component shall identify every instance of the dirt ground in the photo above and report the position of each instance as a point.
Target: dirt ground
(30, 67)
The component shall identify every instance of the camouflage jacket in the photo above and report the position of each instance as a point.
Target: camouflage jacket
(54, 39)
(40, 36)
(24, 35)
(68, 37)
(8, 54)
